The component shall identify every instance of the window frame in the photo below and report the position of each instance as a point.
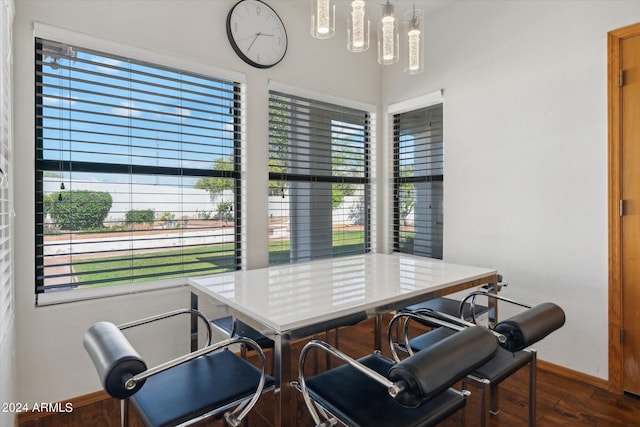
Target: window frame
(424, 101)
(149, 56)
(317, 100)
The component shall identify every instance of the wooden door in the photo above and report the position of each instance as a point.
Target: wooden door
(630, 138)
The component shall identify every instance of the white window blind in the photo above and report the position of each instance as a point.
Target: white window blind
(319, 179)
(137, 170)
(418, 168)
(6, 170)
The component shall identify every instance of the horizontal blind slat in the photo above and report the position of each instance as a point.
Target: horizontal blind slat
(319, 179)
(158, 149)
(418, 157)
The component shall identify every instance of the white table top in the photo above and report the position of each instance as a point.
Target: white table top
(291, 296)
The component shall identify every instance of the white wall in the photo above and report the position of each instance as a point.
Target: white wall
(525, 137)
(51, 363)
(525, 119)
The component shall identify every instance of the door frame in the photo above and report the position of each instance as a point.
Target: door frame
(616, 362)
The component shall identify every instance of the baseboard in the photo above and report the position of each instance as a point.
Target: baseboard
(76, 402)
(574, 375)
(98, 396)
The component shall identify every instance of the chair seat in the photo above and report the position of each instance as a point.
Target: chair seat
(360, 401)
(430, 338)
(503, 364)
(448, 306)
(243, 330)
(215, 381)
(499, 367)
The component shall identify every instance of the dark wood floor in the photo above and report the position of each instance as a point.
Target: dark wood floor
(560, 401)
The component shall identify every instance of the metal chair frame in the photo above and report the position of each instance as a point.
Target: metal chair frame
(427, 315)
(242, 406)
(392, 388)
(489, 390)
(320, 415)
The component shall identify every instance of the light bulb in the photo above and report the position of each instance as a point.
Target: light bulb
(414, 49)
(388, 22)
(323, 16)
(323, 19)
(357, 16)
(414, 64)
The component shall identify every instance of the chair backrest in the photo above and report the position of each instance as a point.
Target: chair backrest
(530, 326)
(433, 370)
(347, 320)
(114, 357)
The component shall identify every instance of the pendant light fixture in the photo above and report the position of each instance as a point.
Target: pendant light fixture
(358, 27)
(415, 60)
(388, 39)
(323, 13)
(323, 19)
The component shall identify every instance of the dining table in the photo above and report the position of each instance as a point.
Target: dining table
(287, 301)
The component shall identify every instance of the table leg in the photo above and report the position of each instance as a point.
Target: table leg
(286, 410)
(377, 334)
(194, 322)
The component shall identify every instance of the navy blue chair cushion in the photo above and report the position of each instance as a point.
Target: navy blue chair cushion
(347, 320)
(430, 338)
(197, 387)
(502, 365)
(448, 306)
(243, 330)
(360, 401)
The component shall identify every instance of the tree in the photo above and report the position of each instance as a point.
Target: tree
(217, 185)
(224, 211)
(407, 197)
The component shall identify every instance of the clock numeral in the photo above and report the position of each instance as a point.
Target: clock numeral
(258, 10)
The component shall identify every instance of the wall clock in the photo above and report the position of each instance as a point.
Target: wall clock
(256, 33)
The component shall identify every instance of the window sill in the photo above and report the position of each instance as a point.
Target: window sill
(63, 297)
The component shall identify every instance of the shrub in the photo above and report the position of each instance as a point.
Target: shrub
(167, 216)
(140, 216)
(80, 209)
(224, 211)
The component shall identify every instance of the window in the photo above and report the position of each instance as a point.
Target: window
(319, 179)
(137, 170)
(418, 166)
(6, 196)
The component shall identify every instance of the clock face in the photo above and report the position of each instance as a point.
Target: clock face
(256, 33)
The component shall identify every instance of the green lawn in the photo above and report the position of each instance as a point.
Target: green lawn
(189, 262)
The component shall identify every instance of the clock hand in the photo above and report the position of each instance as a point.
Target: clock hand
(254, 40)
(247, 38)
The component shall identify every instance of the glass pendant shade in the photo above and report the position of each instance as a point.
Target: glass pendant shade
(390, 42)
(358, 27)
(388, 38)
(323, 19)
(415, 58)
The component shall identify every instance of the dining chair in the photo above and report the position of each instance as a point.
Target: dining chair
(515, 336)
(233, 327)
(210, 381)
(377, 391)
(469, 310)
